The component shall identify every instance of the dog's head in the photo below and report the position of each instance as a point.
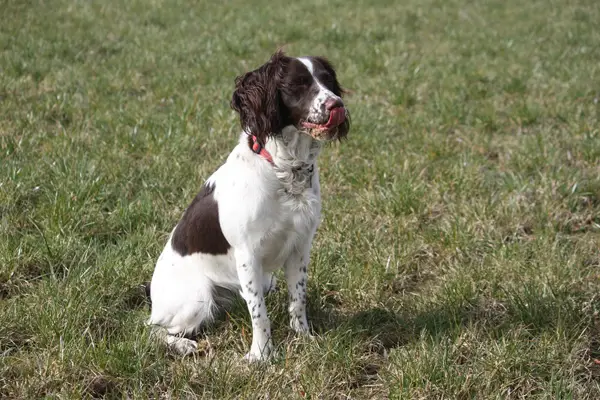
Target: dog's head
(303, 92)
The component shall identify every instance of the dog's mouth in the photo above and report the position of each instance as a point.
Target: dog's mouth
(337, 116)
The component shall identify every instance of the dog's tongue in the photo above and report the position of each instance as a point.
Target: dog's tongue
(336, 117)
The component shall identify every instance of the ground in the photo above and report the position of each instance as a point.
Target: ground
(458, 253)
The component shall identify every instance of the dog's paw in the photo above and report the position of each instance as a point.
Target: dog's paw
(253, 358)
(299, 326)
(256, 355)
(182, 346)
(305, 333)
(308, 335)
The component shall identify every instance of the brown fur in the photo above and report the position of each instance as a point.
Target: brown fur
(279, 93)
(199, 231)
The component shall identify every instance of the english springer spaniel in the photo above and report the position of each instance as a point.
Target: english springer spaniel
(259, 211)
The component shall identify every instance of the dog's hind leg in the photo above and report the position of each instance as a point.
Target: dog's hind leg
(178, 344)
(181, 303)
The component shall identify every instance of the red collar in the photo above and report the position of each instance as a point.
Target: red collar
(260, 150)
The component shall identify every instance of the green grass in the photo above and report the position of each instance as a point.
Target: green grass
(458, 256)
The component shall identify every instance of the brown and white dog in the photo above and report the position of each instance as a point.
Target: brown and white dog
(259, 211)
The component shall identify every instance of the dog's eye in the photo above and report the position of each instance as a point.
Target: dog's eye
(327, 80)
(303, 81)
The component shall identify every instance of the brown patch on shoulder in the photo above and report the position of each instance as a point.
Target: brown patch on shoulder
(199, 231)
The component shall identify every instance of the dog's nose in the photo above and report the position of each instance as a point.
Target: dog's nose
(332, 103)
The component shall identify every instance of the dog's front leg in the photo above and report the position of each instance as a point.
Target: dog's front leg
(296, 275)
(251, 280)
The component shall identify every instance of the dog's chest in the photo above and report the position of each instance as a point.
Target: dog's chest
(292, 227)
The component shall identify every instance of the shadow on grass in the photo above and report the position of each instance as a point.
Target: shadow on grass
(385, 329)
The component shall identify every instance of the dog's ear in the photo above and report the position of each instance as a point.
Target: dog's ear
(257, 99)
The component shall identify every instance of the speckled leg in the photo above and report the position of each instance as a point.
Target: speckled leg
(251, 281)
(296, 275)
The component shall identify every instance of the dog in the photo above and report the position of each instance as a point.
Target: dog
(259, 211)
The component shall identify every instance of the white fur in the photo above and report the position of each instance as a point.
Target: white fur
(269, 215)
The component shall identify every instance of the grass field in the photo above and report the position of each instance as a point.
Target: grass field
(458, 255)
